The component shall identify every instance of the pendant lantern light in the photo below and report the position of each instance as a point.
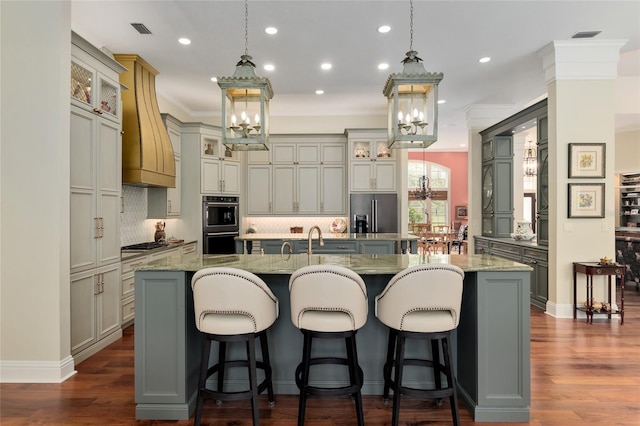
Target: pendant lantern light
(412, 102)
(245, 103)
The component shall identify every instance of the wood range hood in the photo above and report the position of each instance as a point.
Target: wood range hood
(147, 153)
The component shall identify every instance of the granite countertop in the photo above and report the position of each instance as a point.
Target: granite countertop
(365, 264)
(328, 236)
(128, 255)
(532, 243)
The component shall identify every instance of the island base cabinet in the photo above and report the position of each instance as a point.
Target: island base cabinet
(95, 310)
(167, 354)
(491, 347)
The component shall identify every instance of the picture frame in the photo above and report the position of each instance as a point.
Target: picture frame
(586, 200)
(461, 212)
(587, 160)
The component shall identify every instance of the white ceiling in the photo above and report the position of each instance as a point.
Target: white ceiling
(450, 37)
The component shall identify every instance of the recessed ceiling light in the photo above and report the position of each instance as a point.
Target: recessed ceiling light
(214, 79)
(184, 41)
(441, 101)
(326, 66)
(383, 66)
(271, 30)
(384, 29)
(463, 144)
(484, 60)
(319, 92)
(269, 67)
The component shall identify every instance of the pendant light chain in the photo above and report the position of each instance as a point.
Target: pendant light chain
(411, 27)
(246, 27)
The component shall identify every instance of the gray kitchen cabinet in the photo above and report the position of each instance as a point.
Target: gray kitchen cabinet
(330, 246)
(128, 279)
(128, 288)
(497, 186)
(296, 189)
(274, 246)
(217, 168)
(373, 166)
(333, 189)
(377, 247)
(95, 310)
(542, 215)
(306, 176)
(522, 252)
(95, 191)
(165, 203)
(538, 260)
(259, 189)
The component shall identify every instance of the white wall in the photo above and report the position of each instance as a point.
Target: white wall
(627, 158)
(34, 189)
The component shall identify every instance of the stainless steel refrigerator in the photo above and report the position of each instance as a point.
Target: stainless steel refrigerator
(380, 211)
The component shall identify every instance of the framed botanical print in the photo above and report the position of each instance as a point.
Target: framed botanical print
(587, 160)
(586, 200)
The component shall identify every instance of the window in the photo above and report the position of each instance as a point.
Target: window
(436, 209)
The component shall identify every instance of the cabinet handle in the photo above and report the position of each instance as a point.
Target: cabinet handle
(96, 222)
(534, 262)
(270, 207)
(101, 227)
(169, 205)
(97, 111)
(321, 206)
(220, 184)
(96, 289)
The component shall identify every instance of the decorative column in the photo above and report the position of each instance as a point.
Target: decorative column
(580, 77)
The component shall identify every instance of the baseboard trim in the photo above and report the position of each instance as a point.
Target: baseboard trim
(37, 371)
(97, 347)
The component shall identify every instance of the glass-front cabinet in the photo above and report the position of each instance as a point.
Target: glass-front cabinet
(487, 199)
(542, 217)
(94, 91)
(497, 193)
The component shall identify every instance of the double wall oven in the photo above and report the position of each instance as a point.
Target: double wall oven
(220, 224)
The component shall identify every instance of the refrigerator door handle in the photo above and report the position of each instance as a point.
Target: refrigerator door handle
(374, 215)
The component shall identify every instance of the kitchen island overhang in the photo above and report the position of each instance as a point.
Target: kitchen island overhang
(491, 347)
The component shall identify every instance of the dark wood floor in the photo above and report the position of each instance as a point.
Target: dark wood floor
(580, 374)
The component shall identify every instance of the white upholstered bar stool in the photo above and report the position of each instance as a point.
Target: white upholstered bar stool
(328, 302)
(232, 305)
(421, 302)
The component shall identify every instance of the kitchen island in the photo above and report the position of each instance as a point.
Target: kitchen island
(491, 347)
(334, 243)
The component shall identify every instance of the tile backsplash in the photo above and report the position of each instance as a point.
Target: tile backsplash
(133, 228)
(279, 225)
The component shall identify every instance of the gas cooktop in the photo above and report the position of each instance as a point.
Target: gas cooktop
(144, 246)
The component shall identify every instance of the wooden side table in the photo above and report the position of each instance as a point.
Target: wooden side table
(591, 269)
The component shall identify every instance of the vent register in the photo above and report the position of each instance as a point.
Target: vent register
(147, 153)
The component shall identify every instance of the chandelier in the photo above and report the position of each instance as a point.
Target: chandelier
(245, 103)
(530, 161)
(412, 102)
(423, 191)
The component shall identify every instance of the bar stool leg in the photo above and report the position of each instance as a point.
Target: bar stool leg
(306, 359)
(204, 367)
(253, 379)
(354, 376)
(267, 367)
(451, 379)
(398, 379)
(222, 357)
(435, 356)
(391, 347)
